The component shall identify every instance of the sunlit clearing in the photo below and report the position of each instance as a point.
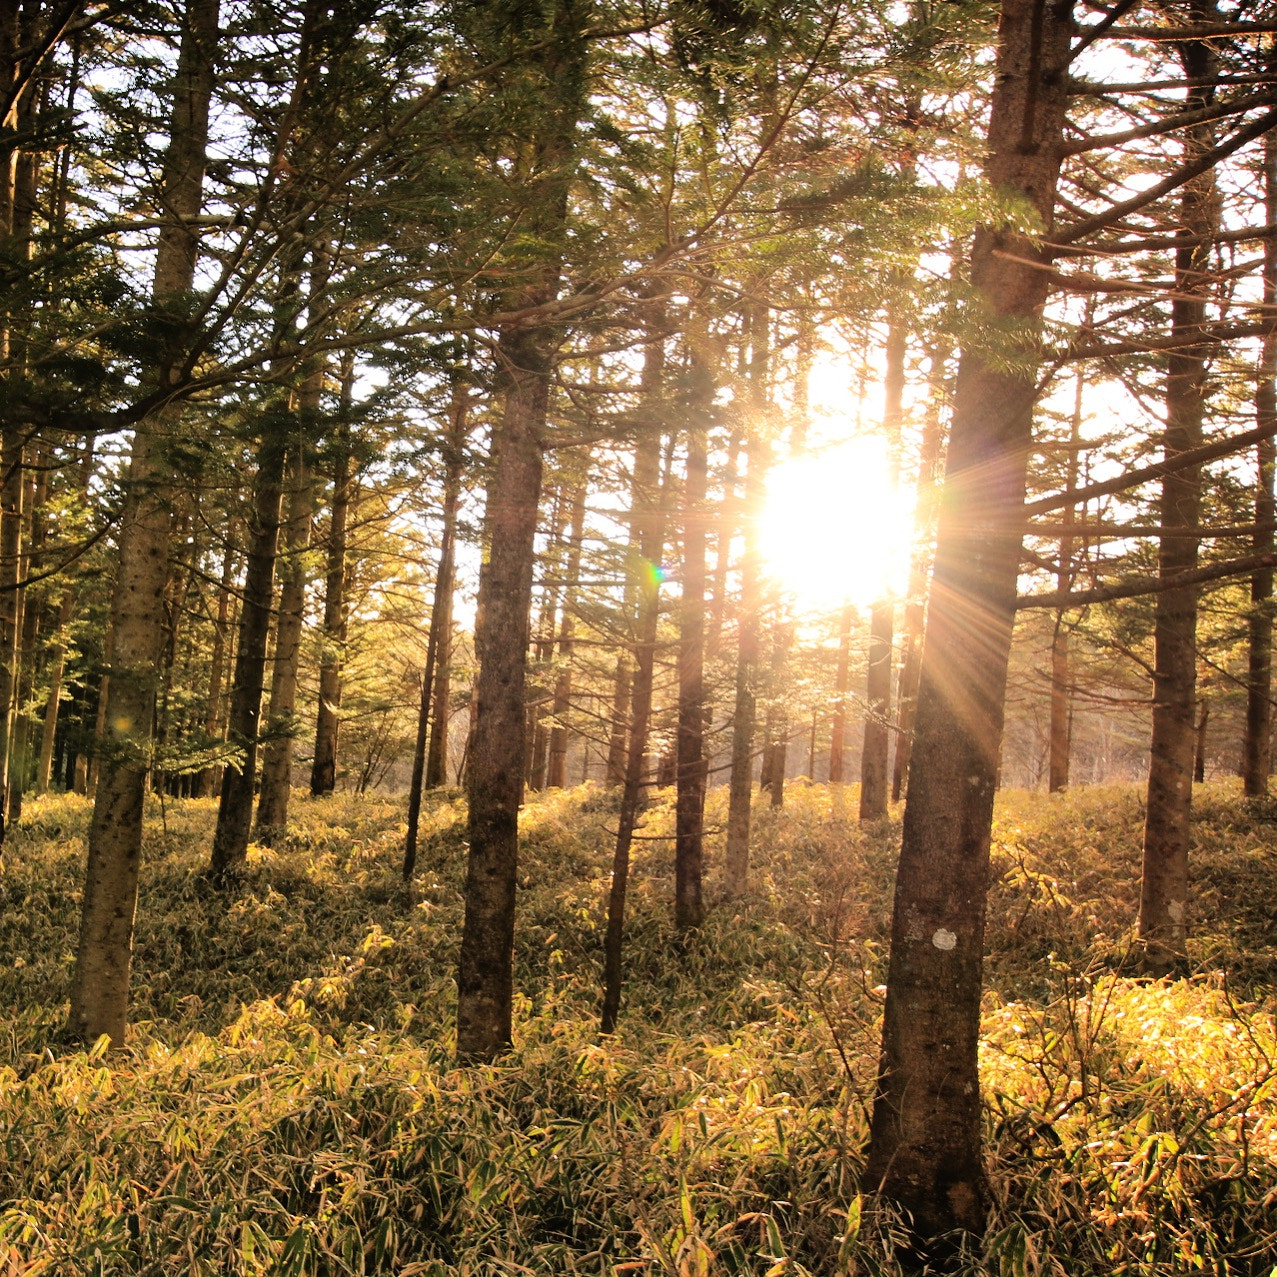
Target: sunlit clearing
(835, 529)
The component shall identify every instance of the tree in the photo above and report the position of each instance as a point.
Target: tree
(925, 1150)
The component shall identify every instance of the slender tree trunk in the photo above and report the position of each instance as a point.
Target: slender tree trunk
(323, 772)
(1199, 752)
(1060, 730)
(1257, 743)
(277, 752)
(217, 665)
(445, 584)
(925, 1151)
(925, 511)
(748, 644)
(99, 990)
(875, 757)
(842, 687)
(235, 811)
(689, 909)
(557, 760)
(1163, 920)
(438, 640)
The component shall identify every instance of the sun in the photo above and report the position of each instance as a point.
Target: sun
(836, 528)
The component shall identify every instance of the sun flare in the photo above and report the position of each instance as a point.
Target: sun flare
(835, 528)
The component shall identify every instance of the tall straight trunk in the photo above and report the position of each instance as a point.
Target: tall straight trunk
(1163, 919)
(740, 787)
(445, 585)
(689, 909)
(17, 213)
(235, 811)
(643, 582)
(332, 650)
(842, 686)
(925, 1152)
(1257, 742)
(277, 752)
(204, 783)
(99, 990)
(498, 749)
(647, 524)
(1060, 728)
(526, 357)
(543, 648)
(58, 649)
(875, 757)
(556, 767)
(924, 517)
(438, 641)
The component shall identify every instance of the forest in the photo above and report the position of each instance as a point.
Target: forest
(636, 637)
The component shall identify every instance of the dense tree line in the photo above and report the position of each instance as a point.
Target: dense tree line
(310, 311)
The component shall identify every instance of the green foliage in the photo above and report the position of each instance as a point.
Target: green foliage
(288, 1104)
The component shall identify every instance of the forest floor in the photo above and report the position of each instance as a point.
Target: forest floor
(287, 1103)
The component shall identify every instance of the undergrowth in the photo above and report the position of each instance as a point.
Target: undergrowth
(288, 1103)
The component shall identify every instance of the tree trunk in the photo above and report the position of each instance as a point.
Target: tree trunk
(1163, 920)
(924, 516)
(875, 757)
(99, 990)
(217, 667)
(557, 759)
(438, 640)
(445, 585)
(689, 910)
(748, 643)
(1257, 743)
(277, 752)
(498, 751)
(235, 811)
(925, 1151)
(1060, 729)
(323, 772)
(842, 686)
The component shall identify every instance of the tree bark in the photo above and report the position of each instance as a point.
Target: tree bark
(1163, 919)
(557, 756)
(924, 516)
(323, 772)
(277, 752)
(438, 640)
(875, 757)
(1060, 728)
(925, 1151)
(235, 811)
(99, 990)
(498, 750)
(1257, 742)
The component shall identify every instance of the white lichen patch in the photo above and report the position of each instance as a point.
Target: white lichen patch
(944, 940)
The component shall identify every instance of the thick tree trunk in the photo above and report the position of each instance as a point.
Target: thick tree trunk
(1257, 742)
(498, 751)
(235, 811)
(99, 990)
(1163, 920)
(925, 1151)
(277, 752)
